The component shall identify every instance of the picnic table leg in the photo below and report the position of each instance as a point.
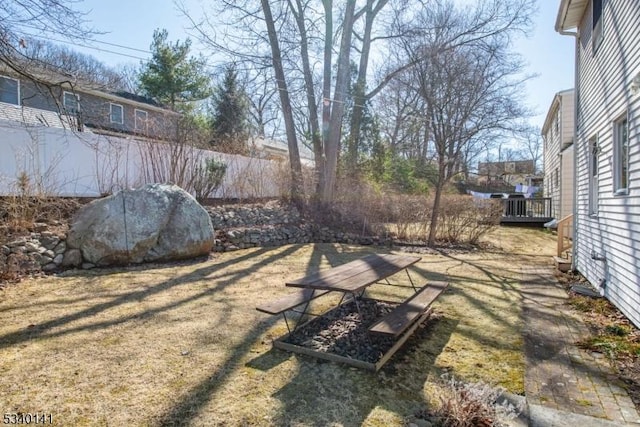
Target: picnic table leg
(355, 300)
(411, 280)
(284, 314)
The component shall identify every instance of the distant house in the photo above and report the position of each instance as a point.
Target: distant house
(273, 149)
(83, 107)
(511, 172)
(557, 134)
(607, 92)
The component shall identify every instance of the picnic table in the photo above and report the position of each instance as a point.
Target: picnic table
(351, 280)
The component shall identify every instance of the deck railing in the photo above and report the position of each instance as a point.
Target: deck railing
(565, 234)
(527, 208)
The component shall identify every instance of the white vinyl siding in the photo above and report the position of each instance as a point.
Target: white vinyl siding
(9, 90)
(603, 94)
(558, 135)
(116, 113)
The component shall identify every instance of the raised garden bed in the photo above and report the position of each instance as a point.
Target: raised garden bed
(341, 335)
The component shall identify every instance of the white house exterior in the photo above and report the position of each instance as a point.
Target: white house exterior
(558, 133)
(607, 221)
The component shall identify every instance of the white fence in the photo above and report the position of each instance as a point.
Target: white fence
(65, 163)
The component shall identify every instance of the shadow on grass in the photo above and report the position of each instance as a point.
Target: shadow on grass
(44, 329)
(190, 404)
(325, 393)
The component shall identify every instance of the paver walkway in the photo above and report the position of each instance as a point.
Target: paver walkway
(560, 376)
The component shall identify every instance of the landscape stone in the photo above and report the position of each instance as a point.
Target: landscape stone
(31, 247)
(49, 242)
(60, 248)
(49, 267)
(40, 226)
(72, 258)
(58, 259)
(157, 222)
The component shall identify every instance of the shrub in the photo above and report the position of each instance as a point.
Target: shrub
(368, 209)
(464, 219)
(207, 178)
(460, 404)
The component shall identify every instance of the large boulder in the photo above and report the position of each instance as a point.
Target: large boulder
(157, 222)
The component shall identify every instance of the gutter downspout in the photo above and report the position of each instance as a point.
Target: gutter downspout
(576, 91)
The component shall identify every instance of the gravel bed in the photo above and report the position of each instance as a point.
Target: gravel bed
(343, 332)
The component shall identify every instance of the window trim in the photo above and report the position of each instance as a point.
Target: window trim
(620, 171)
(597, 27)
(64, 101)
(146, 120)
(593, 181)
(18, 90)
(111, 105)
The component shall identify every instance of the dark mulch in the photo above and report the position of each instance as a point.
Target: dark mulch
(344, 332)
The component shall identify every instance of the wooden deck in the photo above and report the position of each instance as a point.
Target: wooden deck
(526, 212)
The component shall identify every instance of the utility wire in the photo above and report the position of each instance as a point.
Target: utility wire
(96, 41)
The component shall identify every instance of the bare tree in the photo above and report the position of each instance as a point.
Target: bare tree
(40, 16)
(316, 42)
(263, 109)
(48, 56)
(435, 19)
(531, 145)
(283, 27)
(471, 92)
(292, 142)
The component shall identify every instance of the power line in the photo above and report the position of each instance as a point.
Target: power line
(97, 41)
(85, 46)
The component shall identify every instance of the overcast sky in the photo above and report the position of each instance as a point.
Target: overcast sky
(131, 23)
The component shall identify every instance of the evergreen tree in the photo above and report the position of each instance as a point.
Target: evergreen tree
(230, 109)
(172, 77)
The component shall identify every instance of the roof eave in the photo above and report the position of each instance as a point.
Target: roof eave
(570, 14)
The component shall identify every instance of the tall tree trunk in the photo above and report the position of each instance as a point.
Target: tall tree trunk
(435, 212)
(316, 139)
(292, 142)
(332, 144)
(359, 98)
(326, 89)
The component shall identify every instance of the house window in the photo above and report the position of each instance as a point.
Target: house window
(597, 33)
(593, 176)
(621, 155)
(71, 102)
(116, 113)
(9, 90)
(556, 177)
(141, 120)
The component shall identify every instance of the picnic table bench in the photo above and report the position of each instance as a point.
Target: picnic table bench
(396, 322)
(351, 280)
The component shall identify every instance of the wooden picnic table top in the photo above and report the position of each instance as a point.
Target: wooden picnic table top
(356, 275)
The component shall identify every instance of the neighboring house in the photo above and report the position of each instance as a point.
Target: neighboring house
(607, 219)
(82, 107)
(511, 173)
(273, 149)
(557, 134)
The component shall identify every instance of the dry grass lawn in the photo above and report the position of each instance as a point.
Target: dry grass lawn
(183, 344)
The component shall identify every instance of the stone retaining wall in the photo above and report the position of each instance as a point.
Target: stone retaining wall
(237, 227)
(273, 224)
